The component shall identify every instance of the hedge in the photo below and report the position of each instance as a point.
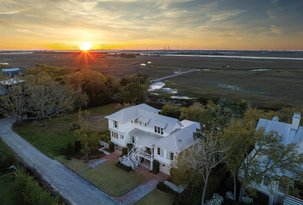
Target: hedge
(124, 151)
(122, 166)
(156, 167)
(163, 187)
(31, 192)
(111, 147)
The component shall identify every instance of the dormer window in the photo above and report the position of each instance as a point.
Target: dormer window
(115, 124)
(159, 130)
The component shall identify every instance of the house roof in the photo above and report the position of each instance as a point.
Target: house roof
(11, 81)
(180, 139)
(180, 133)
(10, 69)
(290, 133)
(169, 124)
(145, 138)
(131, 113)
(146, 114)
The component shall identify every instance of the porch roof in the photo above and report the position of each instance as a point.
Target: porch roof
(146, 139)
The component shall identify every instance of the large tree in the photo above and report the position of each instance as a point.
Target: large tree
(239, 138)
(201, 158)
(100, 88)
(14, 102)
(87, 138)
(40, 96)
(269, 158)
(248, 147)
(47, 97)
(212, 116)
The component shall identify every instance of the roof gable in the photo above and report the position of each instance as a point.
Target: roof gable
(286, 131)
(131, 113)
(180, 139)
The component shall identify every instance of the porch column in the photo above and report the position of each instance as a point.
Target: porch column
(151, 162)
(270, 199)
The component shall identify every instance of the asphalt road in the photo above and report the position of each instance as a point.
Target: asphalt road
(68, 184)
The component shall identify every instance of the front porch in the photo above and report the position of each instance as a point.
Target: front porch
(136, 156)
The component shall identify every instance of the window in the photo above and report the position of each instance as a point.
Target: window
(133, 139)
(121, 137)
(148, 150)
(114, 135)
(158, 151)
(115, 124)
(159, 130)
(171, 156)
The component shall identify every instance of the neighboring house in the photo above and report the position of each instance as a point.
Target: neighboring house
(7, 83)
(291, 134)
(152, 135)
(12, 72)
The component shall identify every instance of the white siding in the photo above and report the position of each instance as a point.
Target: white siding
(164, 158)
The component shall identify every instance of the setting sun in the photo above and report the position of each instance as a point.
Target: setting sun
(85, 46)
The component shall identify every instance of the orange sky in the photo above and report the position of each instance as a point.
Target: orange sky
(151, 24)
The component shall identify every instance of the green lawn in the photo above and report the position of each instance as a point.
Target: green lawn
(156, 197)
(52, 136)
(108, 177)
(8, 192)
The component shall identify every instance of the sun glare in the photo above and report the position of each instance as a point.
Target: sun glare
(85, 46)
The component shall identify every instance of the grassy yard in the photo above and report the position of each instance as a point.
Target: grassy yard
(53, 135)
(156, 197)
(108, 177)
(8, 193)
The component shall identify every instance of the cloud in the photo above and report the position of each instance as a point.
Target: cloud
(275, 29)
(150, 23)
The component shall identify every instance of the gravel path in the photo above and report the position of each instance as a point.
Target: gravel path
(68, 184)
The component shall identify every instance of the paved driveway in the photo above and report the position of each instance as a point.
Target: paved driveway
(70, 186)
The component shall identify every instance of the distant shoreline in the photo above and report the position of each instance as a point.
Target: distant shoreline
(236, 57)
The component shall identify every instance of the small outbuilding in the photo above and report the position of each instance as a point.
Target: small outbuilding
(11, 72)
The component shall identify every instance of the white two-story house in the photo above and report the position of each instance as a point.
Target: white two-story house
(291, 134)
(153, 136)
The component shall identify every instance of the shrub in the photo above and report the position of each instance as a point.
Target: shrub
(156, 167)
(77, 147)
(122, 166)
(129, 146)
(74, 127)
(104, 136)
(70, 151)
(31, 192)
(124, 151)
(161, 186)
(111, 147)
(5, 161)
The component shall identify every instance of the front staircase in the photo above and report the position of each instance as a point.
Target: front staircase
(132, 159)
(290, 200)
